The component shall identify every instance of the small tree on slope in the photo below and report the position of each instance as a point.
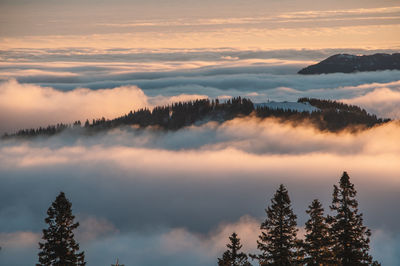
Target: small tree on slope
(59, 246)
(233, 256)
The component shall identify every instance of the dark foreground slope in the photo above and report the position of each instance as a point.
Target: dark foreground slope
(331, 116)
(346, 63)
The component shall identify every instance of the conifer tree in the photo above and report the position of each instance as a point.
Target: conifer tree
(278, 242)
(233, 256)
(350, 236)
(59, 247)
(317, 242)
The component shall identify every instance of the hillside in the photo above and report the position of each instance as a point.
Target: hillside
(323, 114)
(346, 63)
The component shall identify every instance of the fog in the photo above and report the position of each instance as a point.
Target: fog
(145, 196)
(32, 106)
(29, 105)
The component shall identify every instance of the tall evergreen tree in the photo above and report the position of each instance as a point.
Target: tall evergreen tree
(59, 247)
(233, 256)
(278, 242)
(317, 242)
(350, 236)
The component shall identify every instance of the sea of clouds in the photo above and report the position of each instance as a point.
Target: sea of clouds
(47, 86)
(149, 197)
(146, 196)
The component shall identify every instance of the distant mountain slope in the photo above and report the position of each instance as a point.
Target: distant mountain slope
(346, 63)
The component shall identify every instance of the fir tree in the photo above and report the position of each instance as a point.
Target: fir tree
(59, 247)
(350, 236)
(317, 243)
(278, 242)
(233, 256)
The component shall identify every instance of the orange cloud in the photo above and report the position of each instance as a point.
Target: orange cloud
(32, 106)
(18, 239)
(25, 105)
(179, 240)
(384, 102)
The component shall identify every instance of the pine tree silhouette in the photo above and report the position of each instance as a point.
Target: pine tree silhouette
(59, 247)
(317, 243)
(350, 236)
(233, 256)
(278, 242)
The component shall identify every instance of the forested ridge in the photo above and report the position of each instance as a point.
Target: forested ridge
(347, 63)
(332, 116)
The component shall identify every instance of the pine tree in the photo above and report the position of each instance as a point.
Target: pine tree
(317, 243)
(59, 247)
(350, 236)
(278, 242)
(233, 256)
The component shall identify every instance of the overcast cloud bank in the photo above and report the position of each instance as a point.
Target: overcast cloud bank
(31, 106)
(180, 194)
(147, 196)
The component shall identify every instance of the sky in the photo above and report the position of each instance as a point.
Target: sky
(264, 24)
(149, 197)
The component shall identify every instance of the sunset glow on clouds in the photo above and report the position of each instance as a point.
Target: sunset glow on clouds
(151, 197)
(187, 24)
(214, 160)
(29, 106)
(384, 36)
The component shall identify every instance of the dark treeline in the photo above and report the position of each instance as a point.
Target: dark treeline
(183, 114)
(337, 239)
(333, 116)
(45, 131)
(169, 117)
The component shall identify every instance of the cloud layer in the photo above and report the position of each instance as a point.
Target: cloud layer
(146, 196)
(32, 106)
(381, 101)
(189, 24)
(179, 194)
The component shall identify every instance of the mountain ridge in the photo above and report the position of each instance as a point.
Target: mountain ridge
(325, 115)
(347, 63)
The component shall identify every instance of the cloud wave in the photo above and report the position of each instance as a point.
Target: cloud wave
(32, 106)
(184, 191)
